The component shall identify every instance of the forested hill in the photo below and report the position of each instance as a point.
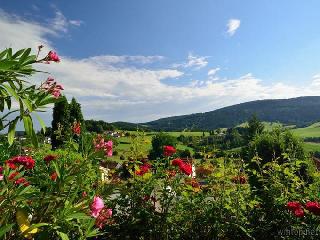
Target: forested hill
(299, 111)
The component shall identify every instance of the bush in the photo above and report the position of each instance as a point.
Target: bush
(158, 142)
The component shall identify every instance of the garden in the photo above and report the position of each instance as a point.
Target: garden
(75, 187)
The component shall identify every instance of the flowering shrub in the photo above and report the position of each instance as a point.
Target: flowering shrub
(73, 193)
(14, 68)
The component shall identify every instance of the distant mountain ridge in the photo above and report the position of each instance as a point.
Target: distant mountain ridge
(300, 111)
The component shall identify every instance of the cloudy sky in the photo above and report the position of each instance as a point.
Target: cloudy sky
(142, 60)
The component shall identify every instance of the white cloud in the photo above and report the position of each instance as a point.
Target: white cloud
(61, 24)
(107, 60)
(77, 23)
(213, 71)
(193, 61)
(112, 92)
(233, 25)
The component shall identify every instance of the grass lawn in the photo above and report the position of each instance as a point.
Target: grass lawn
(143, 141)
(311, 147)
(310, 131)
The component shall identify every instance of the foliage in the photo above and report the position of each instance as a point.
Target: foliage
(14, 69)
(98, 126)
(301, 111)
(158, 142)
(60, 123)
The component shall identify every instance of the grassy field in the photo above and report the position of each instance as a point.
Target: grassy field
(310, 131)
(142, 140)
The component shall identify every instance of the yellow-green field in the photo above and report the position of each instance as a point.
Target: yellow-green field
(310, 131)
(142, 140)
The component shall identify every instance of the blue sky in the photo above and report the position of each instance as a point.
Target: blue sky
(142, 60)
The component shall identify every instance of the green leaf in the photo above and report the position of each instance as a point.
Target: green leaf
(42, 124)
(3, 53)
(28, 104)
(28, 126)
(29, 60)
(18, 53)
(9, 53)
(56, 168)
(4, 229)
(63, 236)
(78, 216)
(47, 100)
(11, 130)
(8, 101)
(25, 55)
(12, 92)
(7, 64)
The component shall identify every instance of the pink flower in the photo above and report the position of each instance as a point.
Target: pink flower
(109, 148)
(53, 56)
(52, 87)
(1, 177)
(100, 144)
(96, 206)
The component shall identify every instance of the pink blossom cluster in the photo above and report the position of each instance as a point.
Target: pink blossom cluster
(52, 87)
(99, 212)
(101, 144)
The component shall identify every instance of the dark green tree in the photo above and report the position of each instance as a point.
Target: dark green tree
(160, 140)
(76, 113)
(61, 128)
(255, 127)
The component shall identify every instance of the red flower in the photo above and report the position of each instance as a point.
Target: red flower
(313, 207)
(299, 212)
(103, 217)
(292, 206)
(23, 181)
(49, 158)
(186, 168)
(171, 173)
(1, 169)
(239, 179)
(54, 176)
(168, 151)
(26, 161)
(76, 129)
(13, 175)
(177, 162)
(192, 182)
(143, 169)
(53, 56)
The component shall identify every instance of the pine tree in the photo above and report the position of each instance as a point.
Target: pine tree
(76, 113)
(61, 128)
